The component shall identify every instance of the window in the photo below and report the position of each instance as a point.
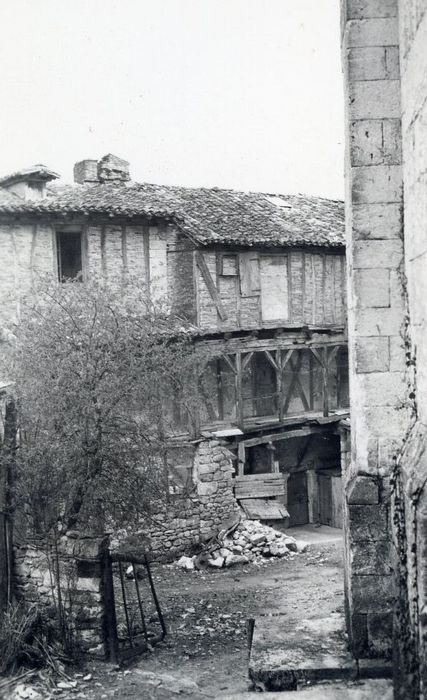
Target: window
(274, 288)
(69, 247)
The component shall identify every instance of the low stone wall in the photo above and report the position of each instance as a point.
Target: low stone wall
(66, 583)
(189, 520)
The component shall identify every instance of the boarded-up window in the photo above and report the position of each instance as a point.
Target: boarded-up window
(274, 288)
(249, 274)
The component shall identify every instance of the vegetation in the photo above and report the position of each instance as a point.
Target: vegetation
(102, 380)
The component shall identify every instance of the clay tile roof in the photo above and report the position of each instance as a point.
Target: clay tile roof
(207, 215)
(36, 172)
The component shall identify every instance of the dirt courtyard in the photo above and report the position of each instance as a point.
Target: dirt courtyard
(205, 652)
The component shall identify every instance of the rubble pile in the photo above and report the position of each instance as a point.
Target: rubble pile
(251, 541)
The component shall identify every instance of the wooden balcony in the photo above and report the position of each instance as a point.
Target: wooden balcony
(274, 386)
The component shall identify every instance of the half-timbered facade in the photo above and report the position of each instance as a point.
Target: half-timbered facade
(260, 278)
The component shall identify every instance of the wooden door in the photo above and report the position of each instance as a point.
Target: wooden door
(297, 499)
(325, 499)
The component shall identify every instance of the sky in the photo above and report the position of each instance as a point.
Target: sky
(242, 94)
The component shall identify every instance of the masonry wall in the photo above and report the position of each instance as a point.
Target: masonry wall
(380, 414)
(196, 516)
(315, 283)
(411, 500)
(66, 584)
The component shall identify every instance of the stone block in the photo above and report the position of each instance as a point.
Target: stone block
(380, 633)
(367, 63)
(392, 62)
(383, 389)
(376, 184)
(372, 287)
(362, 9)
(88, 584)
(374, 99)
(377, 254)
(374, 31)
(366, 142)
(359, 634)
(387, 421)
(397, 353)
(377, 221)
(367, 522)
(372, 354)
(392, 142)
(371, 558)
(378, 322)
(372, 594)
(207, 489)
(362, 490)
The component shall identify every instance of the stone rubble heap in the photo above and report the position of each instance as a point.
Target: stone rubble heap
(251, 542)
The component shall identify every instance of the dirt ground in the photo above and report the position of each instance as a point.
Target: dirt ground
(205, 652)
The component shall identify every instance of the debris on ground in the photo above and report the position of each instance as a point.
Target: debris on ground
(250, 542)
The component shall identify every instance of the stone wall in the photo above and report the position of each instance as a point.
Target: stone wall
(380, 410)
(411, 530)
(74, 567)
(385, 66)
(191, 519)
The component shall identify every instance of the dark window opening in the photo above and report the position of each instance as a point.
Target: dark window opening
(69, 245)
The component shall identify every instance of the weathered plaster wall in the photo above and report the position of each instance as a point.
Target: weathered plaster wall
(149, 253)
(376, 311)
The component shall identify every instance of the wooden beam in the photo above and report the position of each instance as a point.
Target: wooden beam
(246, 360)
(207, 278)
(299, 432)
(271, 360)
(227, 360)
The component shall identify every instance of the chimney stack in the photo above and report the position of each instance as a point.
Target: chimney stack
(86, 172)
(113, 169)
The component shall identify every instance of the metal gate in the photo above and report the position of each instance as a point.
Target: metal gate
(134, 621)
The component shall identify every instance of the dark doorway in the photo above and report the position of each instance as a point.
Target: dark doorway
(298, 499)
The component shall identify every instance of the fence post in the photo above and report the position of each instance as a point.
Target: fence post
(111, 641)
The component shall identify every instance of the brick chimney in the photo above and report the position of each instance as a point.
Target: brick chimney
(86, 172)
(113, 169)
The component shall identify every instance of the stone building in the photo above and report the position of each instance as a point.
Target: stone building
(385, 71)
(261, 279)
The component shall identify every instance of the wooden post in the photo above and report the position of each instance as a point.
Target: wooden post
(111, 642)
(6, 475)
(325, 381)
(239, 396)
(241, 454)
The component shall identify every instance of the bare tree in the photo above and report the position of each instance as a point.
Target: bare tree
(102, 380)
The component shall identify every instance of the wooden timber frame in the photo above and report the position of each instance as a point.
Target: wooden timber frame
(268, 440)
(284, 358)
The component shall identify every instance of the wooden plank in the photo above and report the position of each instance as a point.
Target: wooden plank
(300, 432)
(259, 490)
(265, 477)
(274, 288)
(201, 264)
(249, 274)
(262, 509)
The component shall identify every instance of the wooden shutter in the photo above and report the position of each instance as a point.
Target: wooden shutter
(249, 274)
